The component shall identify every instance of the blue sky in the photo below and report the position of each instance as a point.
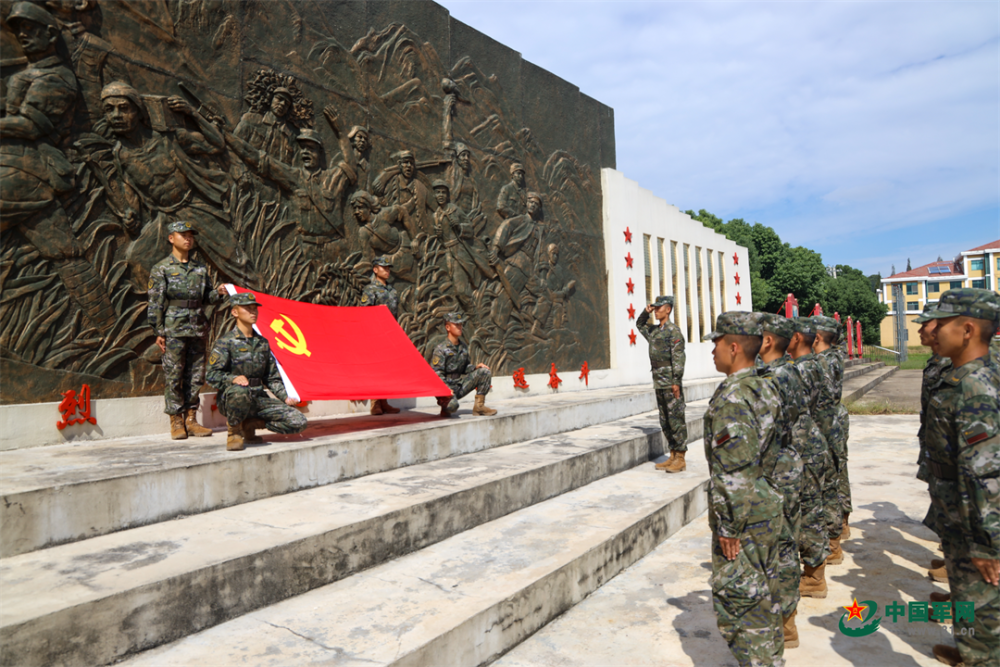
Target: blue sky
(868, 131)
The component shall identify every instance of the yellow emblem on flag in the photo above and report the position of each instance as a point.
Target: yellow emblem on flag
(293, 340)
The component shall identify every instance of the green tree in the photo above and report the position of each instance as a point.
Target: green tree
(851, 294)
(875, 281)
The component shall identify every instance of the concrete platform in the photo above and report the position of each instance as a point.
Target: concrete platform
(196, 572)
(468, 599)
(901, 391)
(658, 612)
(858, 385)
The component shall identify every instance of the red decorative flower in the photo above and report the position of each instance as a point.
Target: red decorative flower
(628, 260)
(631, 337)
(585, 374)
(630, 285)
(554, 380)
(628, 236)
(631, 312)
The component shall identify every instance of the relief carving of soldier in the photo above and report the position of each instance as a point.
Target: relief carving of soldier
(34, 172)
(381, 233)
(513, 197)
(466, 254)
(400, 186)
(274, 118)
(557, 287)
(359, 156)
(152, 175)
(519, 243)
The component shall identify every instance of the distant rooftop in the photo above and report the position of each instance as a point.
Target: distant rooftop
(992, 245)
(942, 269)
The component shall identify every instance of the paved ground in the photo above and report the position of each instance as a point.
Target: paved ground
(658, 611)
(901, 390)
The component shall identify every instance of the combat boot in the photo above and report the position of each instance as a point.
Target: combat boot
(949, 655)
(791, 632)
(388, 409)
(248, 428)
(177, 430)
(836, 556)
(480, 407)
(939, 574)
(663, 465)
(936, 563)
(813, 582)
(676, 462)
(376, 407)
(193, 427)
(846, 532)
(234, 438)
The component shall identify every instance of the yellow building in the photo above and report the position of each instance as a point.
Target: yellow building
(978, 267)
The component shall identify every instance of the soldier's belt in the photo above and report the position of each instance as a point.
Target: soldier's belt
(661, 364)
(180, 303)
(255, 382)
(943, 470)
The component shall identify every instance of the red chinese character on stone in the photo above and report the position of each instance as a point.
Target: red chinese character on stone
(519, 381)
(585, 374)
(73, 404)
(554, 380)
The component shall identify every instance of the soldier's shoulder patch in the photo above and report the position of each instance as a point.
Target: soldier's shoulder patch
(214, 357)
(435, 360)
(976, 434)
(150, 283)
(723, 436)
(364, 298)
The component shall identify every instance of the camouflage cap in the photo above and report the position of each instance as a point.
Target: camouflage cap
(438, 183)
(928, 308)
(517, 166)
(243, 299)
(777, 324)
(382, 260)
(310, 135)
(981, 304)
(804, 326)
(663, 301)
(29, 11)
(736, 323)
(454, 318)
(180, 226)
(826, 324)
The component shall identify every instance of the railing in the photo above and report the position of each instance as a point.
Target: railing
(873, 353)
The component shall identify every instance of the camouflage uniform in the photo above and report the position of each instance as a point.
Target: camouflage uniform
(177, 292)
(936, 367)
(739, 432)
(962, 438)
(453, 365)
(377, 294)
(666, 356)
(783, 465)
(235, 354)
(814, 545)
(836, 424)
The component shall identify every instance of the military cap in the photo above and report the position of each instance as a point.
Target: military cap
(736, 323)
(804, 326)
(181, 226)
(461, 148)
(356, 130)
(663, 301)
(454, 318)
(29, 11)
(281, 90)
(534, 195)
(122, 89)
(365, 198)
(382, 260)
(310, 135)
(826, 324)
(243, 299)
(777, 324)
(438, 183)
(517, 166)
(399, 156)
(928, 307)
(980, 304)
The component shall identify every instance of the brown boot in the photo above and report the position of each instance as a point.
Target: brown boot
(249, 426)
(791, 632)
(193, 427)
(376, 406)
(177, 430)
(480, 407)
(939, 575)
(676, 463)
(836, 556)
(846, 532)
(234, 439)
(949, 655)
(388, 409)
(940, 597)
(663, 465)
(813, 582)
(936, 563)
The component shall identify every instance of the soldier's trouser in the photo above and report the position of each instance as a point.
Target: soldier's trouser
(979, 641)
(842, 427)
(479, 379)
(183, 373)
(814, 545)
(672, 419)
(238, 404)
(745, 596)
(831, 479)
(787, 479)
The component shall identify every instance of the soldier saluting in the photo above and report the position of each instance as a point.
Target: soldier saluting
(666, 356)
(380, 293)
(179, 288)
(240, 366)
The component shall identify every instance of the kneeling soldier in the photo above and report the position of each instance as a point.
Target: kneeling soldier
(380, 293)
(452, 364)
(666, 357)
(178, 288)
(240, 366)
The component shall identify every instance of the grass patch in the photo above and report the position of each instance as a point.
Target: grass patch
(882, 407)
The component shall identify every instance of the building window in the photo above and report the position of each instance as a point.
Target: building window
(979, 283)
(911, 288)
(977, 264)
(933, 288)
(955, 284)
(711, 288)
(648, 262)
(998, 264)
(701, 294)
(663, 273)
(913, 305)
(687, 290)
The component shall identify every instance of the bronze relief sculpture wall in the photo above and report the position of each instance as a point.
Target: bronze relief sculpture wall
(301, 139)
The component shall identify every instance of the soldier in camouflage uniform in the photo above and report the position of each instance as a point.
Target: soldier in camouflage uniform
(240, 366)
(380, 293)
(814, 545)
(962, 439)
(452, 364)
(179, 287)
(666, 356)
(783, 466)
(744, 510)
(835, 423)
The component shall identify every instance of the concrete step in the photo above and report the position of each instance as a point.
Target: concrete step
(466, 600)
(93, 601)
(858, 370)
(856, 387)
(60, 494)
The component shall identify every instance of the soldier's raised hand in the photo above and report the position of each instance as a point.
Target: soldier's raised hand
(180, 105)
(649, 308)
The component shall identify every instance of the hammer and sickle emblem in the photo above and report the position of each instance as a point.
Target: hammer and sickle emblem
(296, 344)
